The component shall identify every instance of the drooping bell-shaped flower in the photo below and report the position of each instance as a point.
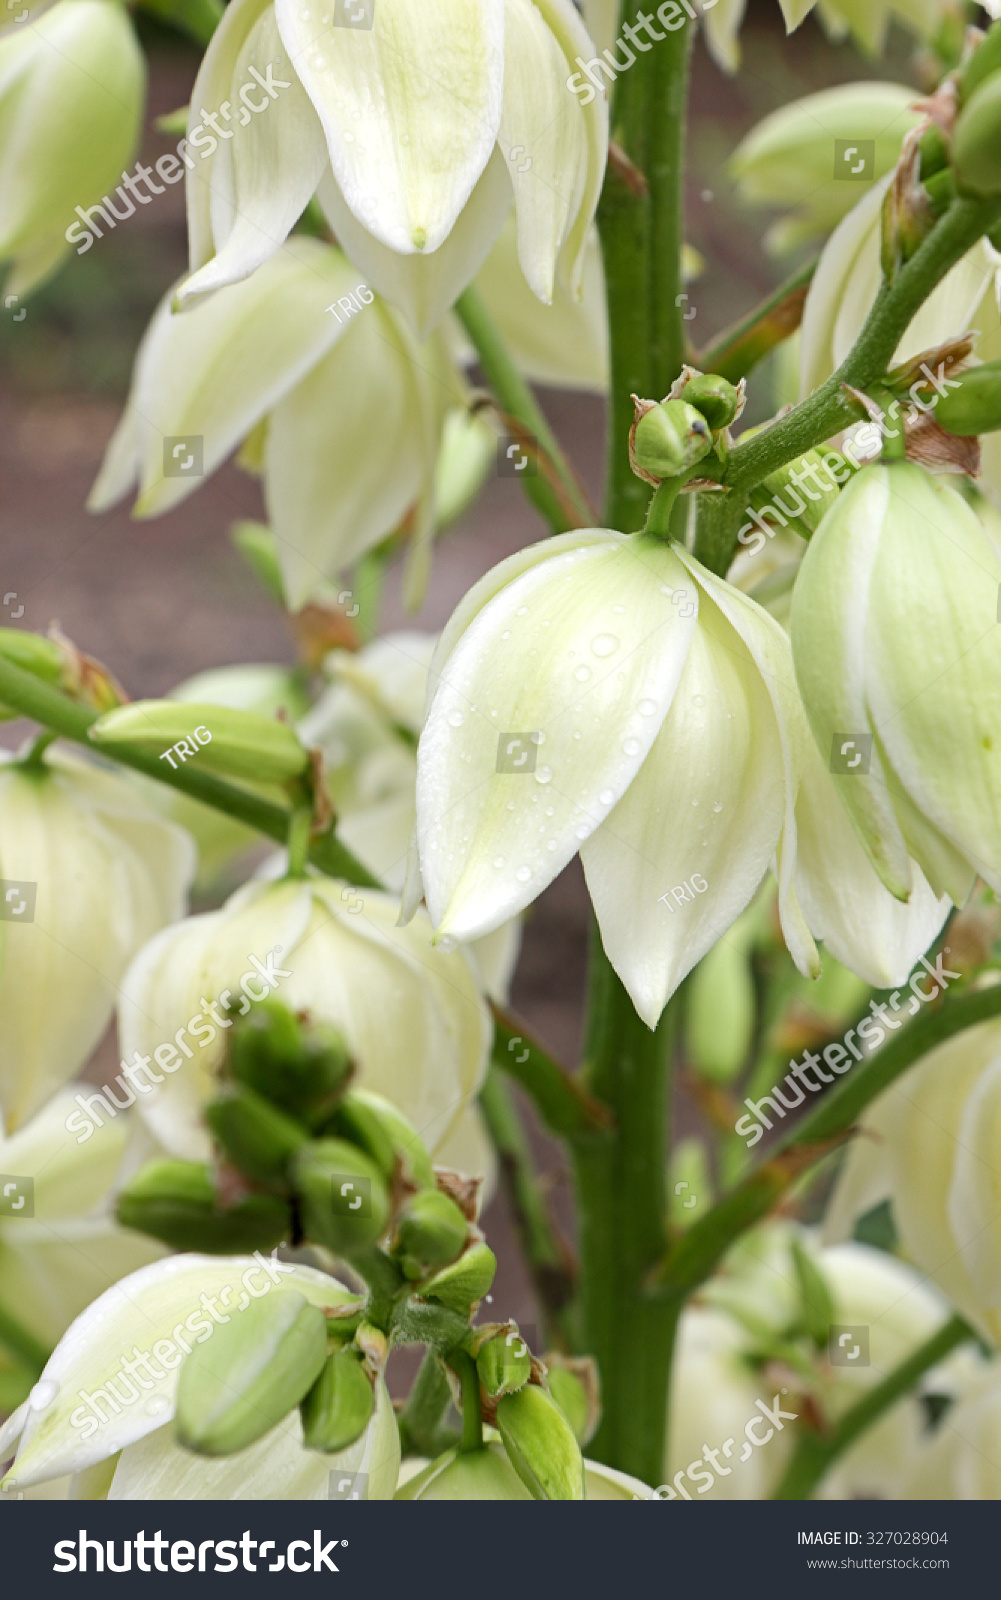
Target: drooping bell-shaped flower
(487, 1474)
(785, 161)
(418, 123)
(110, 1385)
(608, 695)
(867, 25)
(345, 409)
(929, 1145)
(91, 873)
(961, 1460)
(898, 656)
(72, 82)
(412, 1017)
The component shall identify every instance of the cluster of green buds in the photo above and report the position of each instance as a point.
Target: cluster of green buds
(670, 438)
(279, 1353)
(976, 140)
(302, 1157)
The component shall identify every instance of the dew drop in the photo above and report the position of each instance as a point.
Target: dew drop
(43, 1394)
(582, 831)
(506, 634)
(157, 1406)
(647, 708)
(698, 699)
(606, 796)
(523, 874)
(717, 808)
(510, 805)
(550, 811)
(604, 644)
(455, 719)
(544, 775)
(498, 862)
(632, 747)
(582, 673)
(522, 611)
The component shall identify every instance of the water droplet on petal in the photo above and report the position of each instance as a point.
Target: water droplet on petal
(698, 699)
(523, 874)
(544, 775)
(582, 831)
(582, 674)
(498, 862)
(632, 747)
(606, 796)
(455, 719)
(647, 708)
(157, 1406)
(605, 644)
(717, 807)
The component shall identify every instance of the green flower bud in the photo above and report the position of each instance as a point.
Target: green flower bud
(460, 1286)
(716, 399)
(345, 1205)
(430, 1232)
(669, 438)
(803, 490)
(238, 1385)
(983, 64)
(29, 651)
(817, 1307)
(934, 152)
(540, 1445)
(303, 1069)
(231, 743)
(259, 1139)
(975, 406)
(976, 144)
(385, 1134)
(689, 1183)
(484, 1474)
(573, 1384)
(504, 1363)
(720, 1012)
(177, 1201)
(339, 1406)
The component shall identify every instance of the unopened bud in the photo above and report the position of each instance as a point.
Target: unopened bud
(798, 495)
(983, 64)
(504, 1363)
(259, 1139)
(384, 1133)
(177, 1202)
(33, 654)
(976, 144)
(240, 744)
(430, 1232)
(238, 1385)
(463, 1284)
(668, 439)
(716, 399)
(573, 1384)
(339, 1406)
(301, 1068)
(540, 1445)
(344, 1201)
(720, 1012)
(973, 401)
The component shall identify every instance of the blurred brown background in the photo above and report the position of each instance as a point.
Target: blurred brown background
(160, 600)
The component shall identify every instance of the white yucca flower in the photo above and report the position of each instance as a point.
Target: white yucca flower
(417, 127)
(72, 83)
(95, 873)
(412, 1017)
(608, 695)
(110, 1386)
(961, 1460)
(929, 1144)
(350, 407)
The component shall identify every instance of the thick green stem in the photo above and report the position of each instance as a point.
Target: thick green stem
(564, 1105)
(816, 1453)
(549, 482)
(700, 1250)
(56, 711)
(545, 1254)
(621, 1211)
(472, 1418)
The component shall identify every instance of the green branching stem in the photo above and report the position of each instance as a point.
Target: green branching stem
(562, 1101)
(61, 715)
(421, 1430)
(816, 1453)
(700, 1250)
(464, 1367)
(553, 488)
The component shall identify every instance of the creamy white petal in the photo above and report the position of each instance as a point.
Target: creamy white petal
(425, 286)
(702, 819)
(410, 108)
(567, 673)
(159, 1302)
(50, 1272)
(216, 370)
(245, 197)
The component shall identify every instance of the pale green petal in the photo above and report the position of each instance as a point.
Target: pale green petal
(70, 1177)
(216, 370)
(410, 108)
(974, 1203)
(544, 140)
(160, 1302)
(846, 905)
(601, 18)
(277, 1467)
(468, 1148)
(105, 883)
(722, 26)
(794, 11)
(933, 651)
(245, 197)
(831, 641)
(542, 675)
(50, 1272)
(425, 286)
(345, 456)
(702, 818)
(496, 956)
